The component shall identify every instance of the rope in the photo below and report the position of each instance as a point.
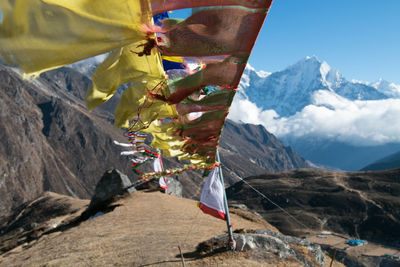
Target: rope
(159, 87)
(272, 202)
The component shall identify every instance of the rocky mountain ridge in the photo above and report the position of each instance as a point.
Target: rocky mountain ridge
(49, 141)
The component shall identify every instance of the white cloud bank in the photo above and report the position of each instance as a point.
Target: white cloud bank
(357, 122)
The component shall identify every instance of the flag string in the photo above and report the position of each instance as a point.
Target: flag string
(272, 202)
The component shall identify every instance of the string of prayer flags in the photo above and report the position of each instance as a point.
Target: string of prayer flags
(181, 74)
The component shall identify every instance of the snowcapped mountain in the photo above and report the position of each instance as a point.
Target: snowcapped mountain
(326, 118)
(387, 88)
(290, 90)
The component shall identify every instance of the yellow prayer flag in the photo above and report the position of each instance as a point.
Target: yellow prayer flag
(47, 34)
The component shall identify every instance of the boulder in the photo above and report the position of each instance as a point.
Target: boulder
(112, 184)
(265, 241)
(174, 187)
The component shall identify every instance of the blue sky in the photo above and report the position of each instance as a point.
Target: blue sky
(360, 38)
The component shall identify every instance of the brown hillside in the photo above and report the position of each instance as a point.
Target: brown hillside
(144, 229)
(361, 204)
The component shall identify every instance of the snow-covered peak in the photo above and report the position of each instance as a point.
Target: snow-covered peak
(386, 87)
(310, 69)
(260, 73)
(330, 77)
(250, 68)
(324, 69)
(290, 90)
(306, 64)
(263, 74)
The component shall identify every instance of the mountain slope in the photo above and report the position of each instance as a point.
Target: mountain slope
(50, 142)
(361, 204)
(255, 143)
(390, 162)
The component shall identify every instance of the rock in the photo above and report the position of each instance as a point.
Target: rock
(174, 187)
(112, 184)
(238, 206)
(284, 246)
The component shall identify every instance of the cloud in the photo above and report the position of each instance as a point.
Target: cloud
(359, 123)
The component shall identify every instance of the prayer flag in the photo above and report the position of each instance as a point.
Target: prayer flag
(157, 164)
(212, 195)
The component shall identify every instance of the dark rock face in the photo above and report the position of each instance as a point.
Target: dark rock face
(262, 148)
(73, 82)
(50, 142)
(360, 204)
(364, 260)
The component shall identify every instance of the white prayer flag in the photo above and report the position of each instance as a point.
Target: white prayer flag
(212, 195)
(157, 164)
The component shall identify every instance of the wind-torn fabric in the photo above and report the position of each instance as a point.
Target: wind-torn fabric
(180, 75)
(159, 6)
(47, 34)
(120, 67)
(219, 31)
(138, 102)
(141, 154)
(209, 75)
